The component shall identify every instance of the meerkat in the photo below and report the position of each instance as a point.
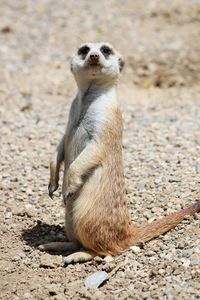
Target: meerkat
(96, 215)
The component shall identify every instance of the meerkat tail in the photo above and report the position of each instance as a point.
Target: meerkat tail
(152, 230)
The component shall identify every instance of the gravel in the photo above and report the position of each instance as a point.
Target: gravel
(160, 97)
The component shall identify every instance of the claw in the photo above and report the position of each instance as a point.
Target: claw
(50, 191)
(67, 195)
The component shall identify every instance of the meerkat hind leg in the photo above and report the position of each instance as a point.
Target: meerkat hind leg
(77, 257)
(58, 246)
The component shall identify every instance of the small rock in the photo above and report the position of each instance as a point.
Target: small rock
(28, 296)
(29, 192)
(16, 258)
(143, 275)
(150, 253)
(108, 267)
(141, 188)
(198, 168)
(53, 289)
(186, 263)
(187, 252)
(108, 258)
(98, 295)
(22, 255)
(98, 259)
(135, 249)
(3, 229)
(158, 181)
(161, 271)
(131, 287)
(8, 215)
(195, 262)
(27, 261)
(146, 295)
(17, 211)
(96, 279)
(27, 248)
(180, 245)
(60, 297)
(61, 236)
(30, 210)
(174, 179)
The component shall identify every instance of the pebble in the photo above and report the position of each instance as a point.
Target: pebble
(158, 181)
(98, 295)
(180, 245)
(18, 211)
(135, 249)
(161, 271)
(16, 258)
(61, 236)
(30, 210)
(27, 296)
(53, 289)
(186, 263)
(108, 258)
(187, 252)
(195, 262)
(8, 215)
(27, 248)
(198, 168)
(131, 287)
(141, 188)
(150, 253)
(96, 279)
(174, 179)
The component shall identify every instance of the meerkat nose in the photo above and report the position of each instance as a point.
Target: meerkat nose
(94, 56)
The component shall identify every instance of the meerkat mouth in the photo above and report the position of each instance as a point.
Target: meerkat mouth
(94, 64)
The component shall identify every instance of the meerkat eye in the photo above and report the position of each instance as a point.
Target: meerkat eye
(106, 50)
(83, 50)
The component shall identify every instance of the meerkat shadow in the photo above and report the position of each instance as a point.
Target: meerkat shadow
(42, 233)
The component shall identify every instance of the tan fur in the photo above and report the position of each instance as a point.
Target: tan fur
(93, 189)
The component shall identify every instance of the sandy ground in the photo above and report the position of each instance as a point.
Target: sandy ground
(160, 98)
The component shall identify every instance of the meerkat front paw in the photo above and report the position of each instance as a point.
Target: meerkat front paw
(74, 184)
(74, 181)
(52, 189)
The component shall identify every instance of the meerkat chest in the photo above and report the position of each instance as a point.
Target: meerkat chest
(90, 120)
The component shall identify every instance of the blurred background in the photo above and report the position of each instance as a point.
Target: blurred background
(160, 40)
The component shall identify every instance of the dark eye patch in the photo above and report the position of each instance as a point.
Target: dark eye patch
(106, 51)
(83, 50)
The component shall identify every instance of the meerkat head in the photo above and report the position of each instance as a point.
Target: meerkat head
(97, 61)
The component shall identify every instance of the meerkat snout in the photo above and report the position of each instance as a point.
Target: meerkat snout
(94, 58)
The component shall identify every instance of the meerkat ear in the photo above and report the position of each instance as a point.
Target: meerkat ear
(121, 63)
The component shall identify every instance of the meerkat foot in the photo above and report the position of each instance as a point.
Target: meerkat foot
(78, 257)
(58, 246)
